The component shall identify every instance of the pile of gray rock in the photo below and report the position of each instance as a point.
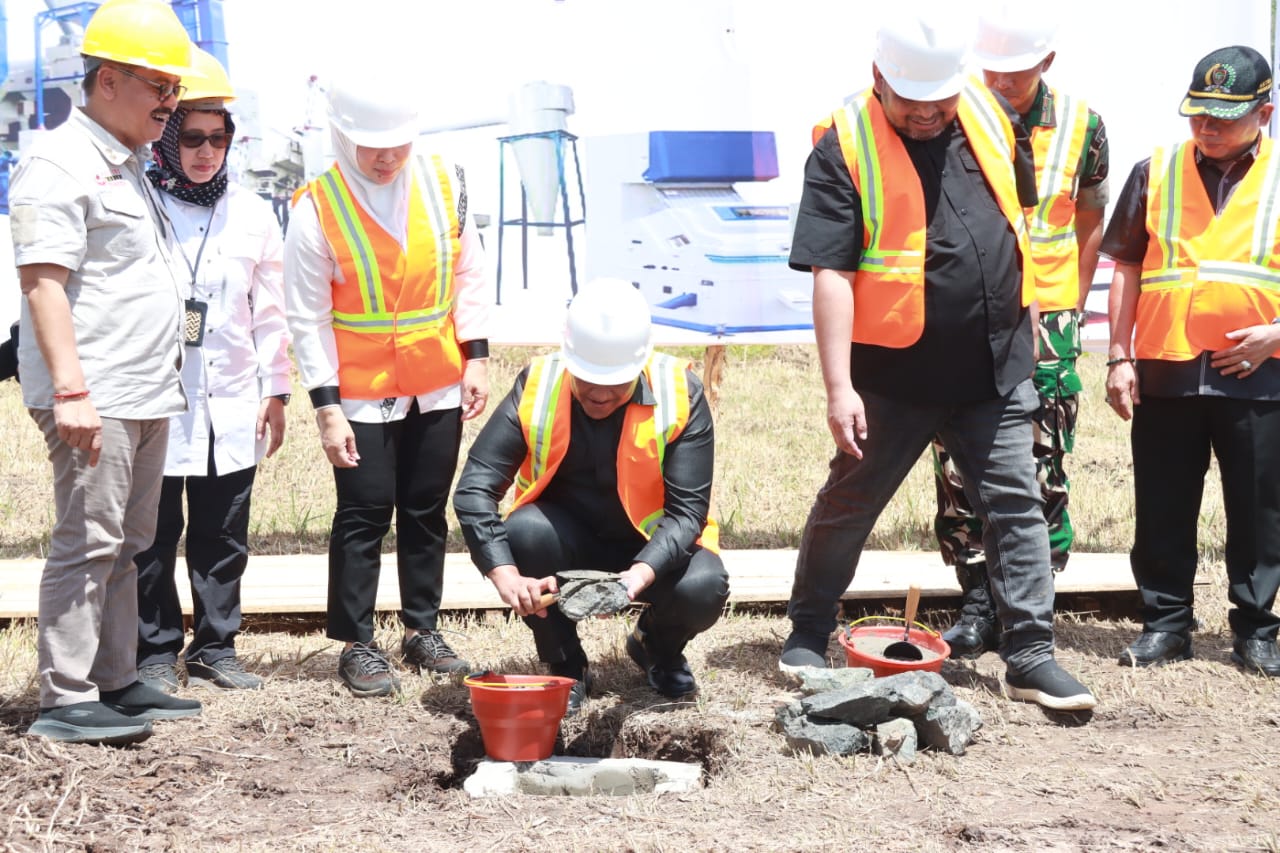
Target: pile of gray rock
(846, 711)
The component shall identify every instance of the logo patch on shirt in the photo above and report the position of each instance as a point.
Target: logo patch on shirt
(114, 175)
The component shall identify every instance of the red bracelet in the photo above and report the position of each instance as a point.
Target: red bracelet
(71, 395)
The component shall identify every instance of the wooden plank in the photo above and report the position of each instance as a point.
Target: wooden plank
(297, 583)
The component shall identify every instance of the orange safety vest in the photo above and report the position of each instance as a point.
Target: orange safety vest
(888, 286)
(1206, 274)
(393, 313)
(1055, 253)
(646, 433)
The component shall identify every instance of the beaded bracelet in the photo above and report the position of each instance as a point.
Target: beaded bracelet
(71, 395)
(1112, 362)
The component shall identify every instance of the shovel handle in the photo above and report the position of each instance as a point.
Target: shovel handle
(913, 604)
(548, 599)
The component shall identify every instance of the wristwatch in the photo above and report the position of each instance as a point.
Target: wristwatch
(283, 398)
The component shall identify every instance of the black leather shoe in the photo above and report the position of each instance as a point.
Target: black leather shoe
(1257, 656)
(978, 628)
(1153, 648)
(580, 671)
(970, 638)
(670, 677)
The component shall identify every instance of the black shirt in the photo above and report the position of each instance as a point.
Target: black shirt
(586, 483)
(977, 342)
(1126, 241)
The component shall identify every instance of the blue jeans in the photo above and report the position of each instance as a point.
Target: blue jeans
(990, 442)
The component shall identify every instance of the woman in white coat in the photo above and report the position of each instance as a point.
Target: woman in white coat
(228, 252)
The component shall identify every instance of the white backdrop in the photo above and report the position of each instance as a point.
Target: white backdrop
(640, 65)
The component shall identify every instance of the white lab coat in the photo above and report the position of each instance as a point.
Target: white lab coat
(245, 354)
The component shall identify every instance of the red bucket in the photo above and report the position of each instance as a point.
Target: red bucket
(863, 645)
(519, 715)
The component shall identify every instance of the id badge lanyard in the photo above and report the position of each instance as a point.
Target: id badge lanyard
(195, 310)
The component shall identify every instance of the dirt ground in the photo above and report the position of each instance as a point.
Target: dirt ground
(1178, 758)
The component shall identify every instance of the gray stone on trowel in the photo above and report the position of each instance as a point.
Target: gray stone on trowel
(580, 777)
(949, 727)
(818, 679)
(897, 738)
(818, 736)
(876, 701)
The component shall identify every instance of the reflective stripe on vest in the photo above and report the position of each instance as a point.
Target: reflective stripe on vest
(888, 286)
(1054, 248)
(544, 412)
(392, 318)
(1206, 274)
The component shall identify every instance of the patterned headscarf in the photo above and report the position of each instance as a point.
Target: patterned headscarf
(167, 174)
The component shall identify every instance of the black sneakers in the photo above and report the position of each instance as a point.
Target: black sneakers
(89, 722)
(143, 702)
(428, 650)
(1051, 686)
(161, 676)
(226, 673)
(366, 671)
(803, 649)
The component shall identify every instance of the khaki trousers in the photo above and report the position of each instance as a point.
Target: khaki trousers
(87, 633)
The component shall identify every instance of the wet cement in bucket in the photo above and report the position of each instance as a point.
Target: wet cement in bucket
(871, 645)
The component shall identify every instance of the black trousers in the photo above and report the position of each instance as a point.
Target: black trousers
(217, 552)
(1171, 441)
(406, 466)
(546, 539)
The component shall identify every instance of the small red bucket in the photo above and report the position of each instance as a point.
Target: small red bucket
(863, 645)
(519, 715)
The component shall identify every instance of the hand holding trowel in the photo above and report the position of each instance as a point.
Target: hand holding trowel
(584, 593)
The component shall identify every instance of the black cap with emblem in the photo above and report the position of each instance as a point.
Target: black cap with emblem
(1228, 83)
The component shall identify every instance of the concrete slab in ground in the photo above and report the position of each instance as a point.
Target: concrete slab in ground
(561, 776)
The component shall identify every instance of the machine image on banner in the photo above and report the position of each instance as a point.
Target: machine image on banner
(662, 142)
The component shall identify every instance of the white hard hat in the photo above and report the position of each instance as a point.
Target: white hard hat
(606, 333)
(1014, 35)
(372, 110)
(921, 50)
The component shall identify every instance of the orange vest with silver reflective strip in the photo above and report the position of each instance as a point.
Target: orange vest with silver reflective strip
(1055, 253)
(888, 286)
(393, 311)
(646, 432)
(1206, 274)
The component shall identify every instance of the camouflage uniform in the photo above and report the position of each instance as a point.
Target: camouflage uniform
(958, 529)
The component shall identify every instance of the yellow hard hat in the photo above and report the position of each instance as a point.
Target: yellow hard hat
(207, 82)
(145, 33)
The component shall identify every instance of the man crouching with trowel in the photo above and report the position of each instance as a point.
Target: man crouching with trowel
(611, 449)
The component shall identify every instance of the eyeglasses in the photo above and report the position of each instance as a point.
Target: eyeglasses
(194, 139)
(164, 91)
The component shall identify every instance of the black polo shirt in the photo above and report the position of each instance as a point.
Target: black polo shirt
(1126, 241)
(977, 342)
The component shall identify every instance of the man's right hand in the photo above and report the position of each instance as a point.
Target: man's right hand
(1122, 389)
(847, 420)
(336, 437)
(79, 426)
(520, 593)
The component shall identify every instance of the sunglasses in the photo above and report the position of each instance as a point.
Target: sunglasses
(194, 139)
(164, 91)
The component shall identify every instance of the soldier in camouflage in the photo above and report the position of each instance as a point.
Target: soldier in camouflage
(1066, 231)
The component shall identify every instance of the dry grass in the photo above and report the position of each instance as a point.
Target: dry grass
(771, 455)
(1178, 758)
